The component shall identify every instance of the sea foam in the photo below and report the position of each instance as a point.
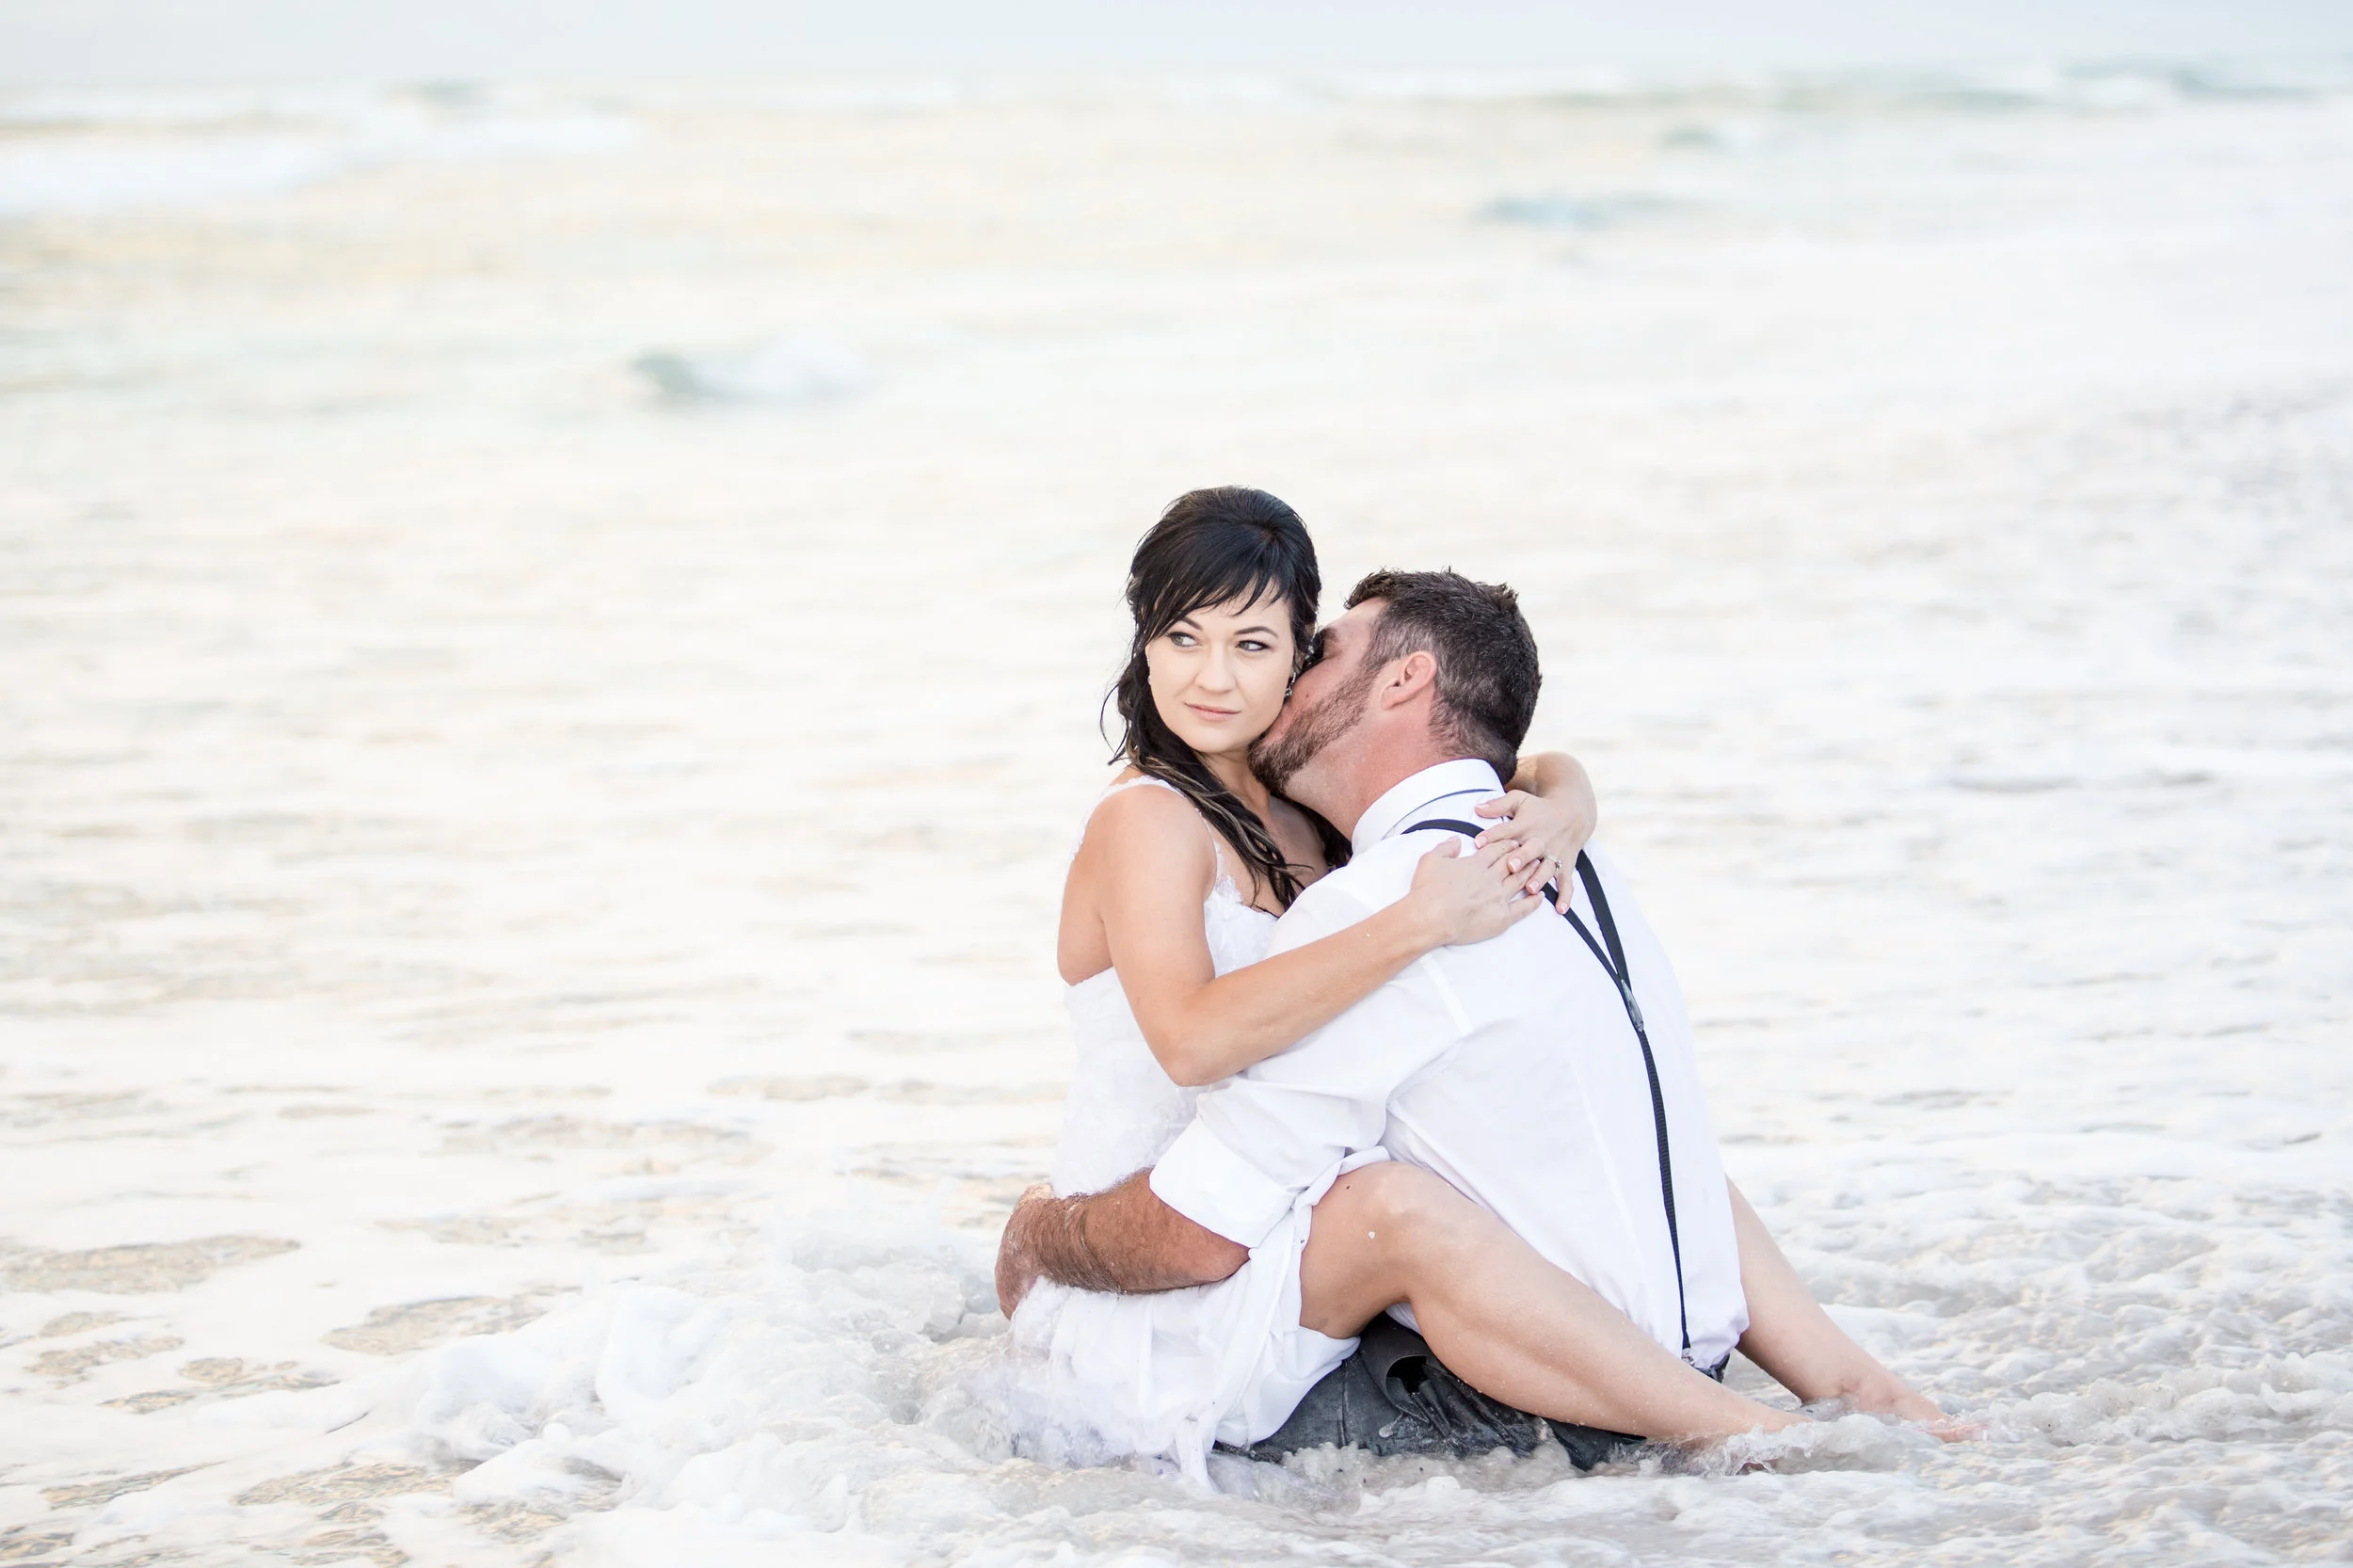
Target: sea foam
(130, 151)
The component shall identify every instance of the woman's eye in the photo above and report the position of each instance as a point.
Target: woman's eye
(1179, 639)
(1251, 645)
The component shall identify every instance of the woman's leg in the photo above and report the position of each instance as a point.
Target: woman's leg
(1506, 1321)
(1793, 1338)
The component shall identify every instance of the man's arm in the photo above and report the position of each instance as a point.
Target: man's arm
(1125, 1240)
(1256, 1142)
(1794, 1339)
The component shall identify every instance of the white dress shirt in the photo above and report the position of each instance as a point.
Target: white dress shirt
(1508, 1067)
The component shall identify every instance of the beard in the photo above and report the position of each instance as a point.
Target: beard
(1277, 762)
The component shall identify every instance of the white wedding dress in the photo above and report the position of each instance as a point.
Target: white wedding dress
(1167, 1373)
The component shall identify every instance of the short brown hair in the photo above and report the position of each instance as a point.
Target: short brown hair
(1487, 670)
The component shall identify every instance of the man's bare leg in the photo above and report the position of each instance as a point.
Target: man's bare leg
(1794, 1339)
(1500, 1317)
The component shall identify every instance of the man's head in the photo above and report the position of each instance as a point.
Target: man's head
(1424, 668)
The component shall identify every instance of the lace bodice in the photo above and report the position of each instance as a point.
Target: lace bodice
(1123, 1111)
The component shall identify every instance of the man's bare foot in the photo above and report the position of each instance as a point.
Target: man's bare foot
(1017, 1261)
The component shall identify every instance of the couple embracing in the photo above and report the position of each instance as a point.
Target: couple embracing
(1386, 1126)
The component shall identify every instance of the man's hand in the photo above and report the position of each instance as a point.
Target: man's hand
(1125, 1240)
(1016, 1253)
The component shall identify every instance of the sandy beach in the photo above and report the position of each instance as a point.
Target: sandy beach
(553, 641)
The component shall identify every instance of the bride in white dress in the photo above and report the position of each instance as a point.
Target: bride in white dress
(1166, 918)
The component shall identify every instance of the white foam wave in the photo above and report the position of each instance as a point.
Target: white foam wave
(1992, 86)
(800, 368)
(850, 1383)
(124, 152)
(2279, 1398)
(731, 1410)
(120, 177)
(1554, 211)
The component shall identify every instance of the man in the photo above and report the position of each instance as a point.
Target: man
(1547, 1075)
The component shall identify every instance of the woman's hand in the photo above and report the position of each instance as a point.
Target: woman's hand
(1889, 1395)
(1548, 829)
(1470, 895)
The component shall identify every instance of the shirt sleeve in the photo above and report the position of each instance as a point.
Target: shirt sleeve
(1260, 1139)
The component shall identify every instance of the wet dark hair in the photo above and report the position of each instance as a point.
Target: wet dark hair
(1212, 547)
(1487, 676)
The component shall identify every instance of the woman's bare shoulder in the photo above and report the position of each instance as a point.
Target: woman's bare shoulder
(1145, 842)
(1138, 809)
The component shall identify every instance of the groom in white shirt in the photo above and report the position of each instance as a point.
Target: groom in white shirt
(1547, 1074)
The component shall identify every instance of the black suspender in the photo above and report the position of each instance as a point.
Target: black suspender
(1616, 964)
(1613, 963)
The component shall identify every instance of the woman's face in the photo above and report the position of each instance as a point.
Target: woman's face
(1220, 673)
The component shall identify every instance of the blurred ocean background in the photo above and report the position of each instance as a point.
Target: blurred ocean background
(555, 598)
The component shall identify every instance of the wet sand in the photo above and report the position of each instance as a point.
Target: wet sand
(528, 868)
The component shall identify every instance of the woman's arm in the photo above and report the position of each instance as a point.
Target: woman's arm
(1549, 810)
(1148, 860)
(1556, 776)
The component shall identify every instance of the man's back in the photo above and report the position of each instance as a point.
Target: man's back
(1510, 1068)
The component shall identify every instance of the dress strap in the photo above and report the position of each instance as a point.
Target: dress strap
(1131, 783)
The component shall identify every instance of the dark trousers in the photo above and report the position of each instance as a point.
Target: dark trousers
(1394, 1397)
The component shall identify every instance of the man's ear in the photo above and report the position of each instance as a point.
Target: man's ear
(1412, 675)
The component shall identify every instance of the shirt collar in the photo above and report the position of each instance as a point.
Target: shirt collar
(1405, 801)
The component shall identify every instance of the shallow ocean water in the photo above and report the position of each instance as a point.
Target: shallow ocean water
(553, 642)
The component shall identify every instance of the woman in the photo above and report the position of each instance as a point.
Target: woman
(1167, 915)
